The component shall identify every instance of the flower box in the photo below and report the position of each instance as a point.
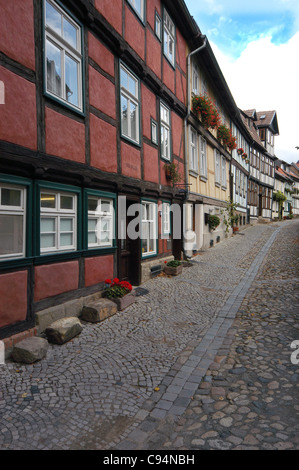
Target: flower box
(125, 301)
(173, 270)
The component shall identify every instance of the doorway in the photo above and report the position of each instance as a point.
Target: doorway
(129, 266)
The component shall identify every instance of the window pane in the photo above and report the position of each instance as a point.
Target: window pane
(133, 118)
(71, 80)
(48, 201)
(106, 206)
(92, 204)
(132, 86)
(10, 197)
(66, 225)
(53, 69)
(69, 33)
(92, 238)
(47, 241)
(47, 225)
(124, 115)
(66, 239)
(66, 202)
(123, 78)
(53, 18)
(11, 234)
(92, 223)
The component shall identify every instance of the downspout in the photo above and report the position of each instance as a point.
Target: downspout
(185, 123)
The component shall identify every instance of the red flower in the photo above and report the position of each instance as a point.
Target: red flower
(116, 280)
(107, 281)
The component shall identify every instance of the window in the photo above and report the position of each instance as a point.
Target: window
(169, 38)
(203, 158)
(100, 222)
(149, 229)
(217, 167)
(193, 150)
(58, 221)
(158, 27)
(165, 131)
(12, 221)
(129, 89)
(195, 79)
(63, 56)
(166, 218)
(154, 132)
(223, 172)
(138, 6)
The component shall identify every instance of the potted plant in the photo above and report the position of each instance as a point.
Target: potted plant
(172, 173)
(213, 222)
(173, 267)
(240, 151)
(224, 134)
(206, 110)
(121, 292)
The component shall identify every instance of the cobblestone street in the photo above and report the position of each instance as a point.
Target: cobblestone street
(200, 361)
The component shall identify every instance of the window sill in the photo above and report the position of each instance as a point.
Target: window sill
(194, 173)
(204, 178)
(130, 141)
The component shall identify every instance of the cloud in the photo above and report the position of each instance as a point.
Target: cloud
(266, 77)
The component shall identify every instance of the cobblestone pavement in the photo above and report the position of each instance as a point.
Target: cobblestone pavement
(200, 361)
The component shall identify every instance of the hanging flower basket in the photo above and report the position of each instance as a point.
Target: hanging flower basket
(206, 111)
(224, 135)
(240, 151)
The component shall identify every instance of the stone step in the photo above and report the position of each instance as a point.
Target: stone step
(30, 350)
(98, 311)
(63, 330)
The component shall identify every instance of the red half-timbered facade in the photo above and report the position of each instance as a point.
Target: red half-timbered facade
(93, 108)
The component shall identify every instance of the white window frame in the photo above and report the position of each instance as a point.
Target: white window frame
(166, 223)
(101, 216)
(193, 150)
(165, 129)
(139, 11)
(66, 49)
(20, 210)
(58, 214)
(158, 26)
(195, 78)
(203, 171)
(152, 227)
(168, 38)
(132, 98)
(217, 158)
(223, 172)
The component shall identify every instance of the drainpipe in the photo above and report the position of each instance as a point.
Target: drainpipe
(186, 119)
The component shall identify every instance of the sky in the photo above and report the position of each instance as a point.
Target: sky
(256, 44)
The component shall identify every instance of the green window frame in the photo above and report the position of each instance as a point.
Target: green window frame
(166, 218)
(169, 35)
(149, 228)
(99, 218)
(15, 214)
(130, 100)
(165, 132)
(58, 220)
(63, 56)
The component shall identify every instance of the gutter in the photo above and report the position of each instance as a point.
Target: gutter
(186, 119)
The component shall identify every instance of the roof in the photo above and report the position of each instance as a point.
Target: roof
(251, 113)
(267, 119)
(280, 172)
(252, 131)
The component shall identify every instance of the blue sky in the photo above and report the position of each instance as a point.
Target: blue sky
(232, 24)
(256, 43)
